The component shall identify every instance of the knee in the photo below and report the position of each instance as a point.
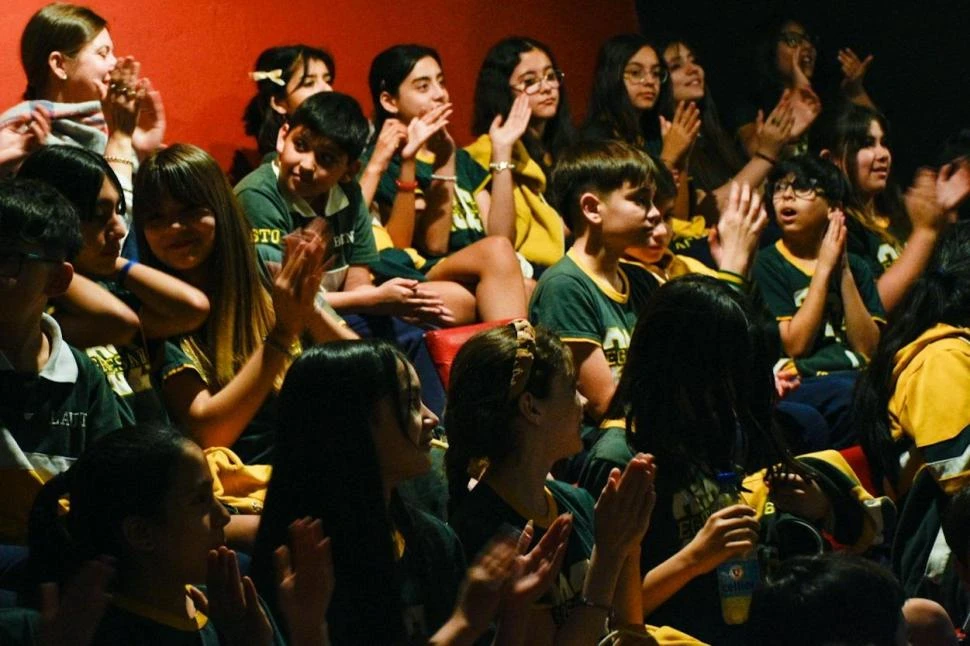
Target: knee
(928, 623)
(500, 253)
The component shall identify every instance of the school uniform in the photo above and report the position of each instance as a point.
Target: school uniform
(274, 214)
(46, 420)
(483, 513)
(580, 307)
(539, 232)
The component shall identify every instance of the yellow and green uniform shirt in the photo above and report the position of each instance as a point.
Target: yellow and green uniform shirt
(873, 242)
(784, 286)
(273, 214)
(46, 421)
(466, 220)
(579, 307)
(539, 232)
(930, 406)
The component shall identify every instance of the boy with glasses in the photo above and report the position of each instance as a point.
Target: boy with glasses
(824, 299)
(53, 401)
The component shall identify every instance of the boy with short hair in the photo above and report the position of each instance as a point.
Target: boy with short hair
(311, 184)
(53, 401)
(824, 298)
(592, 297)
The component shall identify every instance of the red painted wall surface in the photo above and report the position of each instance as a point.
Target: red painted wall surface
(198, 52)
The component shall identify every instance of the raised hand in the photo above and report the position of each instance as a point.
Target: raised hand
(504, 133)
(831, 252)
(680, 133)
(735, 239)
(72, 619)
(776, 131)
(423, 129)
(305, 579)
(953, 184)
(727, 533)
(805, 103)
(624, 507)
(536, 569)
(853, 71)
(392, 136)
(485, 584)
(233, 603)
(922, 205)
(21, 136)
(122, 104)
(150, 132)
(295, 287)
(440, 143)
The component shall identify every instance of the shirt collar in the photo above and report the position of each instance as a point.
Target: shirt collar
(61, 367)
(336, 199)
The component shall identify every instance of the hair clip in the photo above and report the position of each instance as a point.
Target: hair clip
(273, 76)
(525, 353)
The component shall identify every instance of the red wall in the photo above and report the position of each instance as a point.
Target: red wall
(198, 53)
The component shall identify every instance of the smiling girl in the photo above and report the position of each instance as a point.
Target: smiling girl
(513, 68)
(878, 215)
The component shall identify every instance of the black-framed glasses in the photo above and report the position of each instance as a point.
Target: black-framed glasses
(641, 75)
(796, 38)
(12, 261)
(532, 84)
(807, 190)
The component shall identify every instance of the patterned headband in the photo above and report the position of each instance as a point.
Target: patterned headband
(273, 76)
(525, 354)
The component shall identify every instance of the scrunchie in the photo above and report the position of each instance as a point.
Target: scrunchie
(525, 354)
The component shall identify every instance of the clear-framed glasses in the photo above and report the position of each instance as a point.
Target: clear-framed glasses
(532, 84)
(796, 38)
(12, 261)
(641, 76)
(805, 189)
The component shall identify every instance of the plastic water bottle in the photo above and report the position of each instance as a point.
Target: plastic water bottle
(737, 578)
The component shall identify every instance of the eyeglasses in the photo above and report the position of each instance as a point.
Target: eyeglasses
(796, 38)
(640, 76)
(12, 261)
(186, 217)
(531, 85)
(806, 190)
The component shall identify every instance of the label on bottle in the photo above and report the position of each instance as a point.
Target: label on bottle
(738, 578)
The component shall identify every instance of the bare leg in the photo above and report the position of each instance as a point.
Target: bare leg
(458, 298)
(493, 268)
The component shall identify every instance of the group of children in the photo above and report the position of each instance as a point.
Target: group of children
(186, 364)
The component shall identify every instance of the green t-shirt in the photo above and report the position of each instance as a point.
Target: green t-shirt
(466, 220)
(256, 443)
(610, 451)
(129, 622)
(879, 252)
(273, 215)
(579, 307)
(483, 513)
(129, 369)
(784, 287)
(46, 421)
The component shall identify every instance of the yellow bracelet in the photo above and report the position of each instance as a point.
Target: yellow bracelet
(119, 160)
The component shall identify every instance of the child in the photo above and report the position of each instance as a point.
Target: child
(513, 406)
(436, 219)
(218, 381)
(397, 570)
(591, 298)
(697, 394)
(144, 500)
(824, 298)
(161, 305)
(53, 400)
(513, 68)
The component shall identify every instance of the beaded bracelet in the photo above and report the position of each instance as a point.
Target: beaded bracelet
(119, 160)
(407, 187)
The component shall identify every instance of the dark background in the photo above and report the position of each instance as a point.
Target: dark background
(920, 76)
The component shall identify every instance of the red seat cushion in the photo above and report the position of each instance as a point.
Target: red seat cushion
(444, 344)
